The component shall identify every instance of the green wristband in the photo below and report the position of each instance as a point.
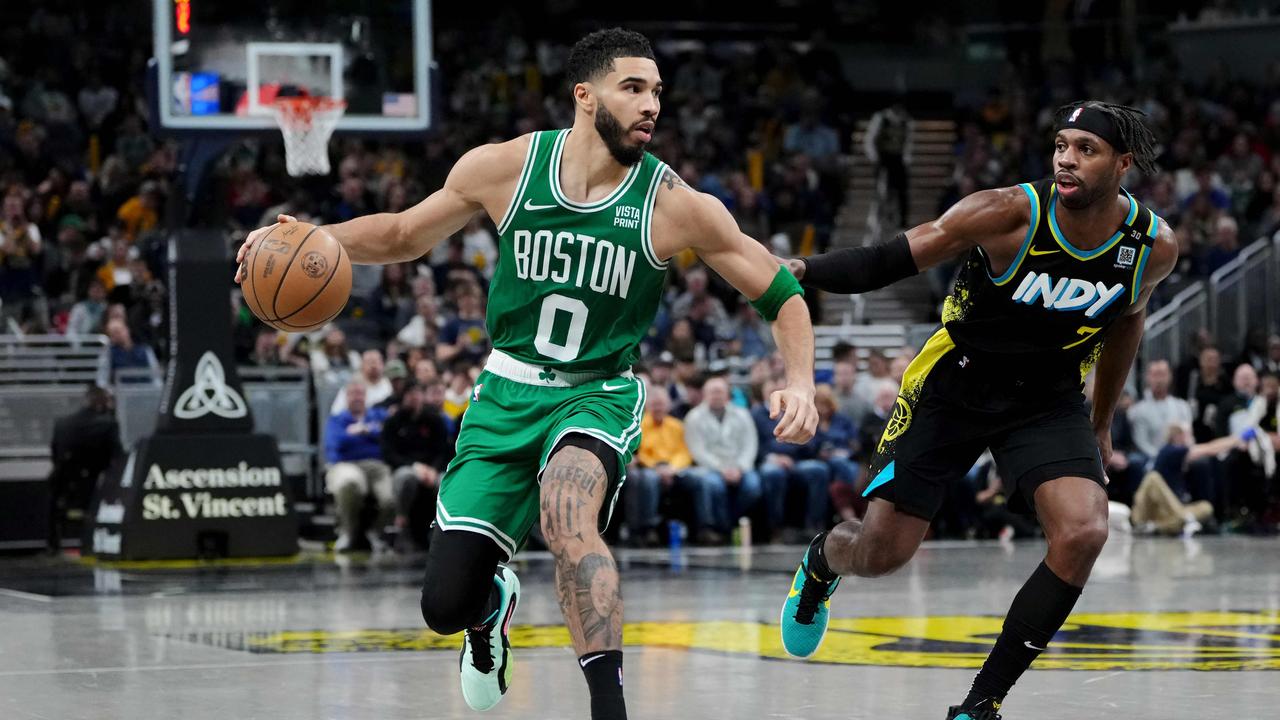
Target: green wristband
(784, 285)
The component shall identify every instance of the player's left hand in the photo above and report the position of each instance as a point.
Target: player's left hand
(1104, 451)
(799, 416)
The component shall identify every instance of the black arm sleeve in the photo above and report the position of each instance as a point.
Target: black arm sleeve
(860, 269)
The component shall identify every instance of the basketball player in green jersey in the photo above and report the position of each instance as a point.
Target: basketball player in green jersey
(587, 221)
(1056, 282)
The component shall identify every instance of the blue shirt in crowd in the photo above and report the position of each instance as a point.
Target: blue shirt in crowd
(343, 446)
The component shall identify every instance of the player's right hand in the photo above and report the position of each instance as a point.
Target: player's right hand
(254, 237)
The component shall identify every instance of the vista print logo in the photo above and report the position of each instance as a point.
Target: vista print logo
(209, 393)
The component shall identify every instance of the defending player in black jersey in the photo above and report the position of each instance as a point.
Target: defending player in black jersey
(1055, 284)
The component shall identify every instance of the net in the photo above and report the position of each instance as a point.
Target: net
(307, 124)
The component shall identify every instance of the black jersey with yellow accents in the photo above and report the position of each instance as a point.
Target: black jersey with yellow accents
(1047, 315)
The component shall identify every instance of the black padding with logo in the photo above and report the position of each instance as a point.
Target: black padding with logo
(202, 391)
(204, 485)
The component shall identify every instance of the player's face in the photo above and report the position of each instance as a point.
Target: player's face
(627, 106)
(1086, 168)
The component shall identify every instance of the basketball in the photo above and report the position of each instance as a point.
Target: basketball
(297, 278)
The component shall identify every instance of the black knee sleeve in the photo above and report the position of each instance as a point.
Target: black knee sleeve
(457, 592)
(608, 458)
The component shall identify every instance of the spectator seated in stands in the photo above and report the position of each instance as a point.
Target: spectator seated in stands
(867, 386)
(417, 444)
(84, 445)
(1193, 470)
(124, 353)
(86, 315)
(1208, 385)
(21, 262)
(787, 469)
(844, 387)
(1166, 501)
(1151, 416)
(722, 440)
(872, 425)
(269, 349)
(995, 520)
(697, 293)
(464, 337)
(662, 459)
(357, 474)
(459, 382)
(423, 328)
(687, 388)
(332, 360)
(748, 335)
(661, 376)
(425, 372)
(1126, 465)
(837, 439)
(372, 376)
(1226, 244)
(396, 373)
(1248, 468)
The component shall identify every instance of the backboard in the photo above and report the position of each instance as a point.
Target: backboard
(222, 63)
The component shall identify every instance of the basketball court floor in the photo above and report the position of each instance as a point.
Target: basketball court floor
(1167, 629)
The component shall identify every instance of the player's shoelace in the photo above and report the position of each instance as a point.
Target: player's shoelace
(812, 594)
(481, 649)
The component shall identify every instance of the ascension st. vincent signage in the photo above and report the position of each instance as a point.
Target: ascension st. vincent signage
(204, 484)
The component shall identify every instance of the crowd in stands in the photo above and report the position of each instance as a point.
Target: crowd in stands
(85, 185)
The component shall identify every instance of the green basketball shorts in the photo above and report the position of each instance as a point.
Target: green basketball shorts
(517, 414)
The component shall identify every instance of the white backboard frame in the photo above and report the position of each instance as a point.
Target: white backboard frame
(260, 118)
(254, 52)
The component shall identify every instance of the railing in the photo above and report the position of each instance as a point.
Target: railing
(863, 337)
(50, 359)
(1243, 295)
(279, 398)
(1169, 329)
(42, 378)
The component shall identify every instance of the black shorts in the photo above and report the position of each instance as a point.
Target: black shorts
(954, 406)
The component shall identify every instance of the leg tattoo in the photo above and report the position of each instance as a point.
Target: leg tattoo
(573, 489)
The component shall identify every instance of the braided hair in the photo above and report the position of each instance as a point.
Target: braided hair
(1135, 134)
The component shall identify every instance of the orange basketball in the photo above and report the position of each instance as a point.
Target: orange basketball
(297, 278)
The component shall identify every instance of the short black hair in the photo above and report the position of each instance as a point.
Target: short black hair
(593, 55)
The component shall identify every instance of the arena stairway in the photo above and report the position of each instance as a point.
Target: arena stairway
(858, 223)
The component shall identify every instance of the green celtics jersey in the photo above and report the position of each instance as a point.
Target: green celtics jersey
(577, 285)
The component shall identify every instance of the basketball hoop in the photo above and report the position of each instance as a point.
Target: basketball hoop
(307, 124)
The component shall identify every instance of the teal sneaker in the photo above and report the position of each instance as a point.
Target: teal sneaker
(805, 613)
(486, 659)
(956, 713)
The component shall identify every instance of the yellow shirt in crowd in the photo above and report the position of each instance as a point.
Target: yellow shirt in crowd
(663, 443)
(137, 218)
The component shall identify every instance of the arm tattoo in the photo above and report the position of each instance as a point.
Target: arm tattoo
(671, 180)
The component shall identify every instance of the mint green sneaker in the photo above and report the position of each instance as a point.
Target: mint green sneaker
(486, 659)
(805, 613)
